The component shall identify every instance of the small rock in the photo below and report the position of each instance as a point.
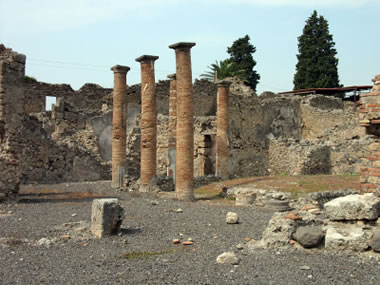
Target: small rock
(375, 242)
(74, 215)
(44, 242)
(227, 258)
(190, 239)
(187, 243)
(179, 210)
(176, 241)
(247, 239)
(309, 236)
(239, 246)
(232, 218)
(155, 203)
(292, 241)
(65, 237)
(305, 267)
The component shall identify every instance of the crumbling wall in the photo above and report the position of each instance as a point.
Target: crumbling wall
(12, 72)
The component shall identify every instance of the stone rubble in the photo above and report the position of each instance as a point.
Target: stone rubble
(232, 218)
(228, 258)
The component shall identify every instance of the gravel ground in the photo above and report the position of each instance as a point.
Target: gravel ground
(150, 225)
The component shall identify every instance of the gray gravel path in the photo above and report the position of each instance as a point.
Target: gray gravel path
(150, 225)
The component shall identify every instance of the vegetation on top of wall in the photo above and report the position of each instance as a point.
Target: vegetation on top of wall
(29, 79)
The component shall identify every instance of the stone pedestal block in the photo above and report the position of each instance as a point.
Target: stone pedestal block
(106, 217)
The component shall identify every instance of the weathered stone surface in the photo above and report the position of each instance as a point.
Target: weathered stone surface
(354, 207)
(375, 242)
(228, 258)
(106, 217)
(309, 236)
(346, 237)
(232, 218)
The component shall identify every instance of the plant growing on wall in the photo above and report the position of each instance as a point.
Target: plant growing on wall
(241, 53)
(224, 69)
(317, 65)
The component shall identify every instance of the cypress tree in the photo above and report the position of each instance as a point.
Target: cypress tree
(241, 52)
(317, 65)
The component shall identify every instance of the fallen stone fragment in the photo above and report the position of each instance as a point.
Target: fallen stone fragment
(176, 241)
(247, 239)
(179, 210)
(304, 267)
(239, 246)
(375, 242)
(65, 237)
(227, 258)
(278, 205)
(232, 218)
(309, 236)
(292, 216)
(106, 218)
(354, 207)
(187, 243)
(346, 237)
(190, 239)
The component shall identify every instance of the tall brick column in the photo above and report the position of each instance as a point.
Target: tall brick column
(148, 122)
(119, 125)
(185, 131)
(172, 128)
(12, 72)
(221, 165)
(370, 119)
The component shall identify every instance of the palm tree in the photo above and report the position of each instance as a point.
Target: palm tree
(223, 69)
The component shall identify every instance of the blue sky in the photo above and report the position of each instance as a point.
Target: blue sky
(77, 41)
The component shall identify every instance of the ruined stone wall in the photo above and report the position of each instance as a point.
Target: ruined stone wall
(267, 135)
(12, 72)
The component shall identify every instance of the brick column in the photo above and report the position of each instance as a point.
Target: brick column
(185, 131)
(119, 125)
(172, 125)
(12, 72)
(148, 122)
(370, 119)
(221, 165)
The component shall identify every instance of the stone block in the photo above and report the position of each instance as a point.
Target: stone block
(106, 218)
(346, 238)
(354, 207)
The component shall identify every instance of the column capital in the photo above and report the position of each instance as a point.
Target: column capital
(172, 76)
(145, 58)
(120, 68)
(182, 46)
(223, 83)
